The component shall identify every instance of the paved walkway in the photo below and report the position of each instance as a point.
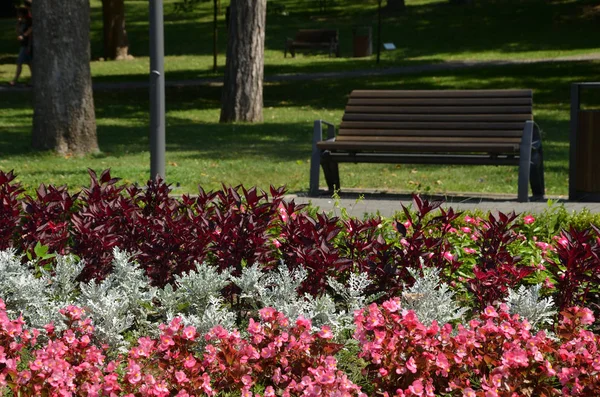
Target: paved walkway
(411, 69)
(389, 203)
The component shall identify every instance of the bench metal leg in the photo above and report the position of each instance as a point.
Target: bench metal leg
(536, 173)
(525, 163)
(331, 171)
(315, 159)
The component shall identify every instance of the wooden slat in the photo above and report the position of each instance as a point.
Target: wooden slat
(424, 158)
(440, 93)
(433, 132)
(429, 139)
(440, 101)
(439, 109)
(419, 147)
(432, 125)
(436, 117)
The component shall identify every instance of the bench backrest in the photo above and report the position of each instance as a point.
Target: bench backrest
(316, 35)
(493, 118)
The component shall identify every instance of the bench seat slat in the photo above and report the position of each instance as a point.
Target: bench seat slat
(436, 117)
(425, 125)
(428, 139)
(456, 133)
(439, 109)
(424, 158)
(526, 101)
(442, 94)
(420, 147)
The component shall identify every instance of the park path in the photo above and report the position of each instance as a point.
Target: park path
(410, 69)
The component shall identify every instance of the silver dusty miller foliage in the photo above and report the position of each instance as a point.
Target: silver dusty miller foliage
(431, 299)
(27, 295)
(197, 299)
(528, 303)
(120, 302)
(279, 289)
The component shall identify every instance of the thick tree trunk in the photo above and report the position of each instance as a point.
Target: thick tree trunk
(242, 98)
(116, 44)
(395, 5)
(63, 115)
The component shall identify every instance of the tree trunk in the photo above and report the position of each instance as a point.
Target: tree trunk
(395, 5)
(63, 114)
(116, 44)
(242, 97)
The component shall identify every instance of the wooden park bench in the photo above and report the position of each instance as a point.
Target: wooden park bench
(321, 39)
(479, 127)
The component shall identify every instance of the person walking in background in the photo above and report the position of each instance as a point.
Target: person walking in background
(24, 29)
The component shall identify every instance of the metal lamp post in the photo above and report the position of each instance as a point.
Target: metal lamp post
(157, 90)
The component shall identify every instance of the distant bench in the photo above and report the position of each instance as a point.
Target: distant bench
(479, 127)
(323, 39)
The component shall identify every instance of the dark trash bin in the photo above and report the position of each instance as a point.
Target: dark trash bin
(362, 42)
(584, 161)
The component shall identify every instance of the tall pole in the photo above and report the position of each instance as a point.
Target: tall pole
(215, 9)
(378, 30)
(157, 90)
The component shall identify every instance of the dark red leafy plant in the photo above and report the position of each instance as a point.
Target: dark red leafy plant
(577, 266)
(10, 213)
(46, 219)
(497, 269)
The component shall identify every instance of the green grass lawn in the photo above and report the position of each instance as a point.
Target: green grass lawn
(429, 31)
(202, 151)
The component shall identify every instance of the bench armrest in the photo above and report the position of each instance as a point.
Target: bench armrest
(318, 130)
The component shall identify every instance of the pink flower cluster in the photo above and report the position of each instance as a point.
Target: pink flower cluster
(497, 355)
(283, 359)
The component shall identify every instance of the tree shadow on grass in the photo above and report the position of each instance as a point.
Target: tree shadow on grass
(279, 142)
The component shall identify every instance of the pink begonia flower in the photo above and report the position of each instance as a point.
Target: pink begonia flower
(161, 387)
(246, 380)
(189, 333)
(448, 256)
(515, 358)
(466, 229)
(181, 377)
(469, 250)
(442, 362)
(588, 316)
(134, 374)
(303, 322)
(490, 312)
(325, 332)
(468, 392)
(391, 305)
(417, 388)
(267, 314)
(269, 391)
(528, 219)
(411, 365)
(276, 243)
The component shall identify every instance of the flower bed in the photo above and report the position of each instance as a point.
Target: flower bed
(496, 355)
(432, 302)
